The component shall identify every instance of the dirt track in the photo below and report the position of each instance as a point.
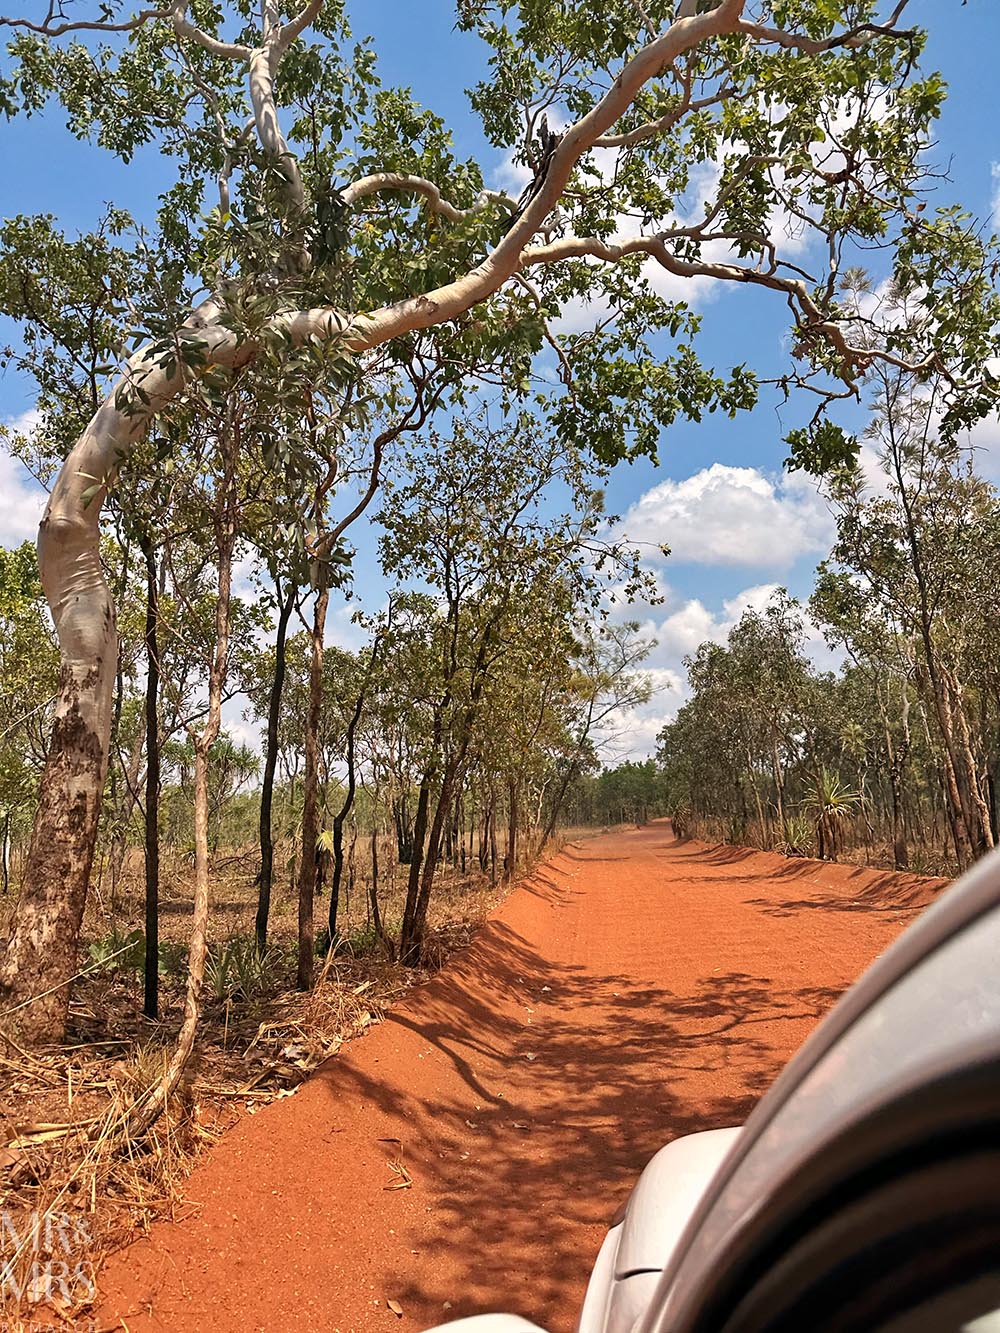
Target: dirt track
(638, 988)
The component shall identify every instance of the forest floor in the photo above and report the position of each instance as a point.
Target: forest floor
(467, 1153)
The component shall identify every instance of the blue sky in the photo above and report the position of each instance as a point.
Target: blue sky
(736, 526)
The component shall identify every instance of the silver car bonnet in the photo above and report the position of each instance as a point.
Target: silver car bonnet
(929, 1005)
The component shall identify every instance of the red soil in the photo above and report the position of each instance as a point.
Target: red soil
(637, 988)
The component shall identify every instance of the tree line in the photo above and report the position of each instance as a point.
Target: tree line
(458, 725)
(897, 752)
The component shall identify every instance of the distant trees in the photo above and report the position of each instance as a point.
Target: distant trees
(473, 700)
(748, 730)
(29, 670)
(910, 596)
(488, 665)
(627, 793)
(900, 751)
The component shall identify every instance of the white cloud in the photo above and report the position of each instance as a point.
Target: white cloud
(688, 624)
(732, 516)
(344, 631)
(632, 734)
(22, 499)
(984, 441)
(687, 627)
(636, 734)
(692, 623)
(242, 577)
(241, 729)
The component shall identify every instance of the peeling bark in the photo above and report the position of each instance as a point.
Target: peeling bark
(41, 959)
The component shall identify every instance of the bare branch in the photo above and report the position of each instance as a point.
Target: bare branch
(647, 22)
(50, 29)
(654, 128)
(185, 28)
(212, 104)
(395, 180)
(813, 323)
(565, 367)
(284, 37)
(856, 36)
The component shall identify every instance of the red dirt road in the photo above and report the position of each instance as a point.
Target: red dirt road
(636, 989)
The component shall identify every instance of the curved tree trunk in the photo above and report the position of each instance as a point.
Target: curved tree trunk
(42, 949)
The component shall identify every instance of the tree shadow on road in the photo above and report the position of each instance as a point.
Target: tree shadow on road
(567, 1085)
(888, 893)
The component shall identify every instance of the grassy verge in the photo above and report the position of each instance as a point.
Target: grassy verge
(68, 1165)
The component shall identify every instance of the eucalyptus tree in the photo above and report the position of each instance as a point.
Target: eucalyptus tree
(631, 792)
(523, 726)
(703, 752)
(884, 654)
(771, 678)
(562, 699)
(915, 551)
(740, 750)
(605, 683)
(470, 518)
(325, 184)
(861, 757)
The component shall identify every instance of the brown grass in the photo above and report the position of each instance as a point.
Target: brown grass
(67, 1158)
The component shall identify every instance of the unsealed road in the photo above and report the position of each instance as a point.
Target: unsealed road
(636, 989)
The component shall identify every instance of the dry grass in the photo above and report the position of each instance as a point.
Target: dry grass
(74, 1183)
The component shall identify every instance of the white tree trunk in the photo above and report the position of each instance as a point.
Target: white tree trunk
(41, 955)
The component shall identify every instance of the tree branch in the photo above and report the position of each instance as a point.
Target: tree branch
(654, 128)
(185, 28)
(396, 180)
(809, 46)
(123, 418)
(284, 37)
(50, 29)
(812, 321)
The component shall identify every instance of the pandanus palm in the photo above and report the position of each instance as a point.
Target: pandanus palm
(830, 801)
